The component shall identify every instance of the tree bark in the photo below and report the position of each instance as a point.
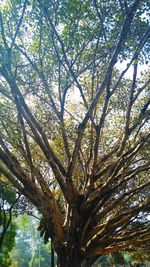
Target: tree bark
(74, 261)
(69, 263)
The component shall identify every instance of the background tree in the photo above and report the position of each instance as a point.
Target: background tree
(7, 225)
(124, 258)
(74, 129)
(29, 249)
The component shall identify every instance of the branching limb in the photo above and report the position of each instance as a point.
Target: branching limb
(19, 25)
(128, 112)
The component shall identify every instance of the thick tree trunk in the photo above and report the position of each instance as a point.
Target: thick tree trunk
(74, 261)
(70, 262)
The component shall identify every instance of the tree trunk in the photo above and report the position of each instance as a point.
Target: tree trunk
(74, 261)
(71, 263)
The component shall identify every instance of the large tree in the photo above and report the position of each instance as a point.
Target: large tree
(74, 123)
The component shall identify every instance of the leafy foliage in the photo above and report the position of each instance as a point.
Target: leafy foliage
(30, 249)
(7, 227)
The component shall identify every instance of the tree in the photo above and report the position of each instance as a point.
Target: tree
(7, 226)
(124, 258)
(29, 249)
(74, 124)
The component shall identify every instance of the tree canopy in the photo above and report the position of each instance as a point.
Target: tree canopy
(74, 120)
